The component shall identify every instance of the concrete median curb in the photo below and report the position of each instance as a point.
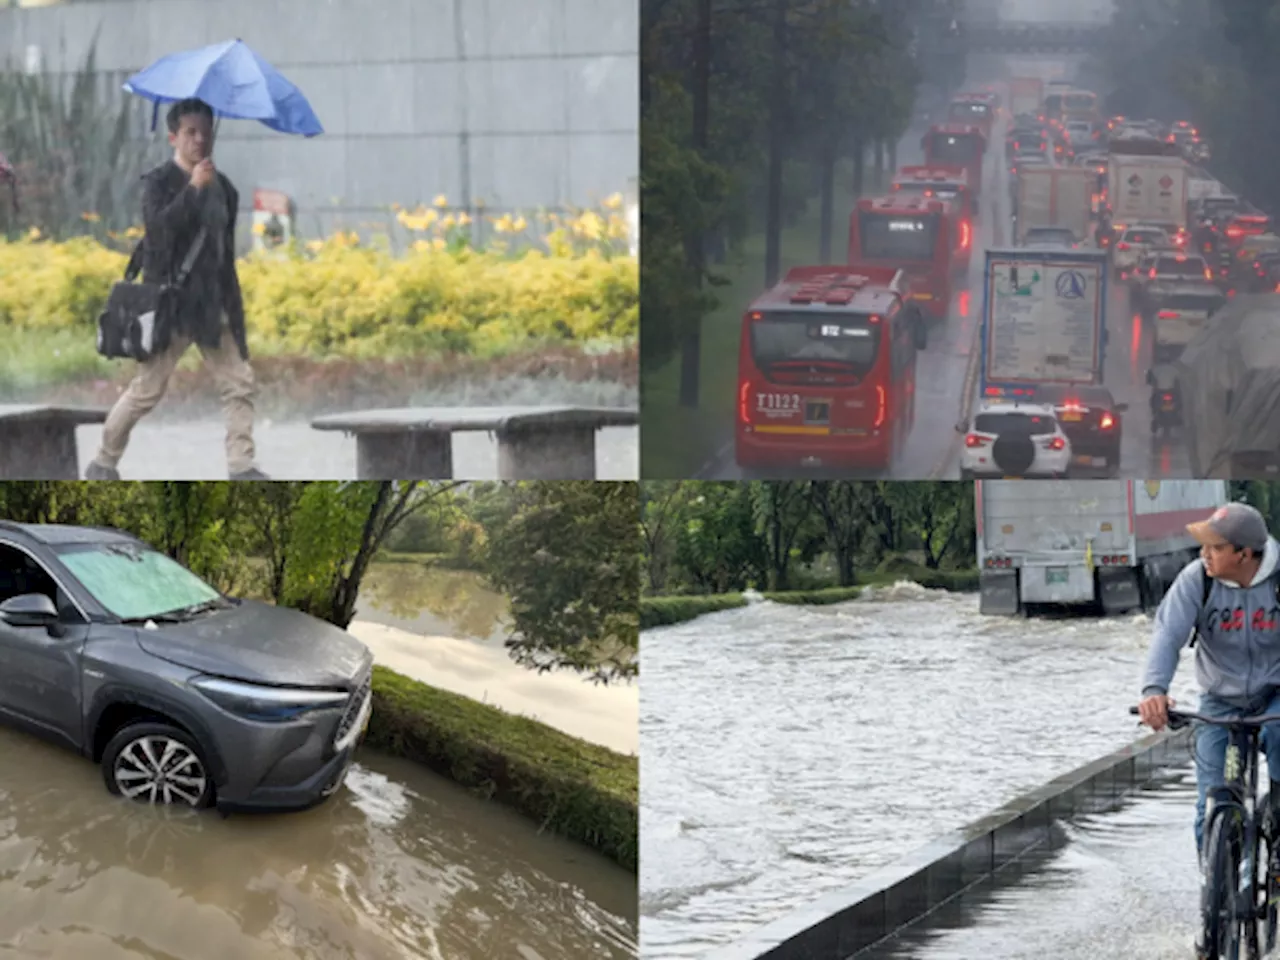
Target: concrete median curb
(844, 922)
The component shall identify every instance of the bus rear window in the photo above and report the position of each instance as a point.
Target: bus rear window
(970, 111)
(832, 342)
(1079, 101)
(886, 236)
(957, 149)
(941, 191)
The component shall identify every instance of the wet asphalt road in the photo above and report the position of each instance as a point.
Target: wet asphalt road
(931, 452)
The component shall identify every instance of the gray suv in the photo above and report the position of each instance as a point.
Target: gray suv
(184, 695)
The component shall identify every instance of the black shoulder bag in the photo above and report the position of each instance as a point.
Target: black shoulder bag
(137, 322)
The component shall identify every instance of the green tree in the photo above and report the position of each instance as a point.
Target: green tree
(569, 561)
(718, 548)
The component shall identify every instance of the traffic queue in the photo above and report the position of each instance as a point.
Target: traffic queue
(827, 359)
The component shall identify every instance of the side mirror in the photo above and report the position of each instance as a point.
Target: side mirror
(29, 610)
(1120, 407)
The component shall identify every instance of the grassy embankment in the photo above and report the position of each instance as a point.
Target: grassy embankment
(573, 788)
(664, 611)
(676, 441)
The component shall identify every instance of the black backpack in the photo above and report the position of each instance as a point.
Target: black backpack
(1207, 588)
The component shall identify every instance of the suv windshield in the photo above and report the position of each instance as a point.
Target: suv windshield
(1000, 423)
(135, 583)
(846, 341)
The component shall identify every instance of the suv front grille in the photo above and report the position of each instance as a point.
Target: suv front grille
(354, 706)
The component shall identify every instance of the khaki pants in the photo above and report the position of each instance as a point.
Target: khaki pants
(233, 377)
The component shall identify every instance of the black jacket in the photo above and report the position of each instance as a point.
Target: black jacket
(171, 214)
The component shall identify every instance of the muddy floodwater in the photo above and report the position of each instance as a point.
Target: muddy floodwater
(398, 864)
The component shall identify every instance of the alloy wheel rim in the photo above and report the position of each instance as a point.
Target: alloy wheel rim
(159, 769)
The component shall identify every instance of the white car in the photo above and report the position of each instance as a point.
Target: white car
(1011, 440)
(1133, 244)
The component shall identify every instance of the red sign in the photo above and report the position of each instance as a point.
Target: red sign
(1166, 182)
(271, 201)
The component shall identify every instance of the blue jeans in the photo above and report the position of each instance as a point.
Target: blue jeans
(1211, 747)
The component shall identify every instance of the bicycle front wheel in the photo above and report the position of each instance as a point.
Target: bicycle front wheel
(1220, 892)
(1267, 893)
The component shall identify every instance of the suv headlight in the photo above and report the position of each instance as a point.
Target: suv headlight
(269, 704)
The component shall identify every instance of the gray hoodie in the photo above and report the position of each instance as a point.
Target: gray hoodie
(1238, 655)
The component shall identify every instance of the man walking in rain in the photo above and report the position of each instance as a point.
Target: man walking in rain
(179, 198)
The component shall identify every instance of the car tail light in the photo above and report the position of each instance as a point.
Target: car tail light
(975, 440)
(1167, 396)
(1057, 443)
(1122, 245)
(1107, 421)
(1168, 315)
(1208, 274)
(1152, 273)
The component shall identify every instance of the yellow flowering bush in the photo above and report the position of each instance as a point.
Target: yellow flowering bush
(541, 278)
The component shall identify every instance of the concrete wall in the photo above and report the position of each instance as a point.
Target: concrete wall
(517, 103)
(846, 921)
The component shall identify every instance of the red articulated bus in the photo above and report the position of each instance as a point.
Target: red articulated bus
(956, 145)
(930, 239)
(978, 109)
(943, 182)
(827, 370)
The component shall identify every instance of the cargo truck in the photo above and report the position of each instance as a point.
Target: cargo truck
(1113, 545)
(1148, 190)
(1043, 320)
(1026, 96)
(1054, 197)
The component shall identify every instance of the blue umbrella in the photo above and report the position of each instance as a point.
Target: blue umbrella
(231, 79)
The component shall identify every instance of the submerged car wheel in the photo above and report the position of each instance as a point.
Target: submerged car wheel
(157, 763)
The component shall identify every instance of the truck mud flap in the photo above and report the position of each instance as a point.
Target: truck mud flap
(1118, 591)
(999, 594)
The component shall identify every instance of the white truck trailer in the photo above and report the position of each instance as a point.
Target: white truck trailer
(1114, 545)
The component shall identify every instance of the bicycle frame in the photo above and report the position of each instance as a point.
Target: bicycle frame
(1238, 797)
(1234, 899)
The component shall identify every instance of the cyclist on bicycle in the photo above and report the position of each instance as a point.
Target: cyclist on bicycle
(1235, 614)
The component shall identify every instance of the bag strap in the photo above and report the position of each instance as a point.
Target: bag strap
(190, 260)
(135, 259)
(135, 263)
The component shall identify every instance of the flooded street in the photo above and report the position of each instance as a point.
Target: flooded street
(398, 864)
(292, 450)
(1124, 886)
(789, 751)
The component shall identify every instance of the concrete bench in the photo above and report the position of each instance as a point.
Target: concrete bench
(534, 443)
(38, 441)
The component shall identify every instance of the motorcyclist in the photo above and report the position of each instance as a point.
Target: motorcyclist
(1237, 659)
(1163, 379)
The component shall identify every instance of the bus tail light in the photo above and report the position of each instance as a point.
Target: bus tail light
(744, 390)
(880, 414)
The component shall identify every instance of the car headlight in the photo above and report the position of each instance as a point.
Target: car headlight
(269, 704)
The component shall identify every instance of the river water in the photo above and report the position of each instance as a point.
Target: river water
(400, 863)
(789, 751)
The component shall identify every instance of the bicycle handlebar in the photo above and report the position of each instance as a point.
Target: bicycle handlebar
(1180, 718)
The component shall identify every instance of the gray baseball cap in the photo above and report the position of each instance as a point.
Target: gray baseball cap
(1236, 523)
